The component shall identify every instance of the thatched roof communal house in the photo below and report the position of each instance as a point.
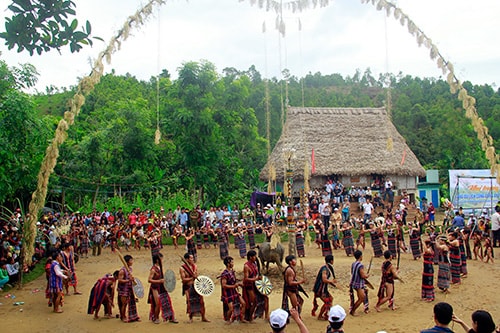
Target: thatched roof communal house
(354, 145)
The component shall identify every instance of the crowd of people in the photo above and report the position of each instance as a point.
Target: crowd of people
(66, 238)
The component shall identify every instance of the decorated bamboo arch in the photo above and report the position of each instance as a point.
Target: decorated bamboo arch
(87, 84)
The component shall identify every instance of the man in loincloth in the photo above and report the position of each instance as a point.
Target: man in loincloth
(325, 277)
(194, 301)
(292, 286)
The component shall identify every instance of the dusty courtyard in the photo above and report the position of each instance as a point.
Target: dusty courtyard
(478, 291)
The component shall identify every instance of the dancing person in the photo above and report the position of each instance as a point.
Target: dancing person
(415, 242)
(347, 241)
(428, 272)
(444, 265)
(158, 296)
(279, 320)
(443, 314)
(103, 293)
(325, 277)
(222, 242)
(292, 286)
(56, 282)
(455, 258)
(326, 246)
(257, 304)
(386, 289)
(68, 264)
(336, 317)
(126, 297)
(190, 243)
(482, 322)
(375, 240)
(194, 302)
(358, 284)
(233, 303)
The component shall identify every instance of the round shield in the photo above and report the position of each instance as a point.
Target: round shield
(204, 286)
(264, 286)
(138, 288)
(170, 280)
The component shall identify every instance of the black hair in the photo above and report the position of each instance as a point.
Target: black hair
(250, 254)
(328, 258)
(127, 258)
(227, 260)
(336, 325)
(357, 254)
(443, 312)
(484, 321)
(115, 274)
(289, 259)
(187, 255)
(387, 254)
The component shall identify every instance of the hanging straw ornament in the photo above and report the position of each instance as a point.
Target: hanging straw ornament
(85, 86)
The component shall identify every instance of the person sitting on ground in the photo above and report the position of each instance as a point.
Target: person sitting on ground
(443, 314)
(336, 317)
(279, 318)
(482, 322)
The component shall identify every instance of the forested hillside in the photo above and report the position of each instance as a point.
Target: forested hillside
(213, 131)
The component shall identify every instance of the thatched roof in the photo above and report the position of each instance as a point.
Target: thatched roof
(346, 141)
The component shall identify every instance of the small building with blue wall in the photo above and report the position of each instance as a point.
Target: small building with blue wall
(428, 188)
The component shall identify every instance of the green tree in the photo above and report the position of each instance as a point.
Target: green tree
(40, 26)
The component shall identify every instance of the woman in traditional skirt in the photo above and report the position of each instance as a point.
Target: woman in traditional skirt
(428, 273)
(299, 239)
(158, 296)
(317, 232)
(242, 245)
(360, 241)
(444, 275)
(456, 262)
(190, 245)
(199, 239)
(400, 236)
(347, 238)
(206, 237)
(326, 247)
(462, 238)
(375, 239)
(391, 242)
(251, 235)
(415, 242)
(222, 242)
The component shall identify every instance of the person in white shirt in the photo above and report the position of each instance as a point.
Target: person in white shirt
(495, 226)
(367, 210)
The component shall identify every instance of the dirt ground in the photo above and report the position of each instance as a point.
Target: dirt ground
(478, 291)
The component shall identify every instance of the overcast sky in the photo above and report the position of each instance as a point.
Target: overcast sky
(340, 38)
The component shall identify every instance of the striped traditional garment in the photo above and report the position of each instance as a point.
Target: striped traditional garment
(415, 244)
(376, 243)
(299, 243)
(222, 242)
(55, 282)
(456, 264)
(167, 309)
(444, 275)
(125, 290)
(326, 247)
(198, 240)
(69, 262)
(230, 295)
(357, 282)
(251, 237)
(191, 249)
(101, 294)
(463, 257)
(391, 242)
(242, 245)
(348, 242)
(291, 289)
(428, 277)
